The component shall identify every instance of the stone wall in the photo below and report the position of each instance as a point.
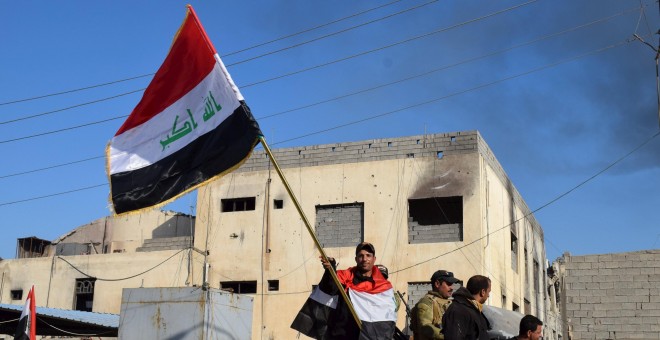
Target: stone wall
(612, 296)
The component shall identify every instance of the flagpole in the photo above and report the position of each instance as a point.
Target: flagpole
(309, 229)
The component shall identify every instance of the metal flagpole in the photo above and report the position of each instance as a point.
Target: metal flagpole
(309, 229)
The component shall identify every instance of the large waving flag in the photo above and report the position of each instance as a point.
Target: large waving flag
(190, 126)
(27, 323)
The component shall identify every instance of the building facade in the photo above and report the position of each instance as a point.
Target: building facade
(429, 202)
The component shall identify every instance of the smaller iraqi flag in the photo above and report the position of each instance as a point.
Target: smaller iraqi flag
(190, 126)
(325, 315)
(27, 323)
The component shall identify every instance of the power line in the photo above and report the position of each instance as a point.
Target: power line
(387, 46)
(50, 167)
(309, 68)
(386, 113)
(331, 34)
(451, 95)
(52, 195)
(648, 140)
(123, 278)
(74, 90)
(70, 107)
(225, 55)
(311, 29)
(386, 84)
(60, 130)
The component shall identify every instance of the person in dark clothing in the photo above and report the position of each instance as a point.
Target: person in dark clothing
(464, 319)
(531, 328)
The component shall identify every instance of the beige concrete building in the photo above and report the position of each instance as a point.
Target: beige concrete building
(428, 202)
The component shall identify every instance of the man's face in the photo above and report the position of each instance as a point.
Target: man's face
(445, 289)
(537, 334)
(365, 261)
(483, 296)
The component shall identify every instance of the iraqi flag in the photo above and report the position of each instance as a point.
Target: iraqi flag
(190, 126)
(27, 323)
(325, 316)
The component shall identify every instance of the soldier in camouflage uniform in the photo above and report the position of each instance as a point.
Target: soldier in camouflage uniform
(427, 313)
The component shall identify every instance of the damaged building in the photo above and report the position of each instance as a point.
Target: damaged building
(428, 202)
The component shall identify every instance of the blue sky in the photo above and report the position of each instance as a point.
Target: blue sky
(555, 108)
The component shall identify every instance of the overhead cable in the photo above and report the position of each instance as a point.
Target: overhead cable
(311, 29)
(648, 140)
(50, 167)
(302, 70)
(224, 55)
(388, 46)
(450, 95)
(385, 84)
(123, 278)
(305, 69)
(332, 34)
(393, 111)
(72, 333)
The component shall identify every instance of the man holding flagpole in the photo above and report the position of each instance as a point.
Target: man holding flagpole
(326, 316)
(27, 323)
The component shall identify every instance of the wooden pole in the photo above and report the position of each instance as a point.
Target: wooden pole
(309, 229)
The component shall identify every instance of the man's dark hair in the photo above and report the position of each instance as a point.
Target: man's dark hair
(528, 323)
(476, 283)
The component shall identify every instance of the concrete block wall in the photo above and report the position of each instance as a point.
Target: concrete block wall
(165, 243)
(416, 290)
(613, 296)
(367, 151)
(340, 225)
(434, 233)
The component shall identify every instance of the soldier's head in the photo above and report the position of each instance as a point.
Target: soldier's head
(442, 282)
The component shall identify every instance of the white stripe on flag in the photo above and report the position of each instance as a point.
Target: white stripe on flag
(374, 307)
(142, 145)
(324, 299)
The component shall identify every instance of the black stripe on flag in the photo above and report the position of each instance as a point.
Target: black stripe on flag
(210, 155)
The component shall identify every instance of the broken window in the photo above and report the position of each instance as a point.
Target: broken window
(515, 307)
(340, 225)
(536, 276)
(273, 285)
(435, 219)
(17, 294)
(239, 287)
(514, 252)
(31, 247)
(238, 204)
(84, 298)
(528, 307)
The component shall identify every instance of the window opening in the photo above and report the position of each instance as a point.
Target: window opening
(278, 204)
(273, 285)
(17, 294)
(240, 287)
(238, 204)
(84, 298)
(435, 219)
(514, 252)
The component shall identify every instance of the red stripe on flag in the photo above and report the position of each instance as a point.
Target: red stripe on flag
(33, 315)
(185, 67)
